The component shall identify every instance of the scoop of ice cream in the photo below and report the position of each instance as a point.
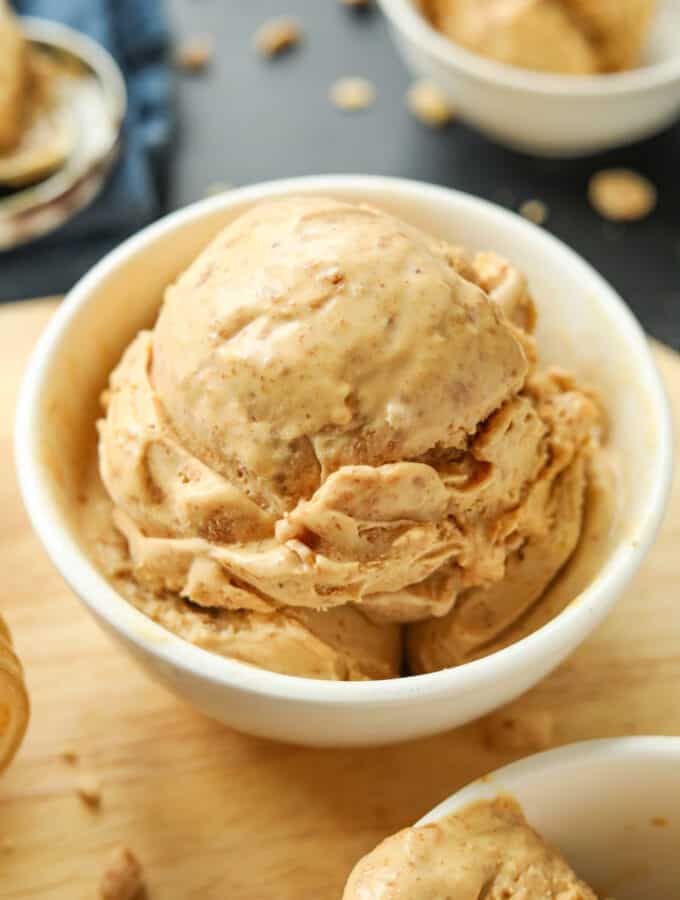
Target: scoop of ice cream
(577, 37)
(297, 422)
(335, 410)
(314, 334)
(486, 850)
(13, 78)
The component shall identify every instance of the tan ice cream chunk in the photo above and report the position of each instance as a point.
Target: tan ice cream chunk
(284, 353)
(13, 78)
(486, 850)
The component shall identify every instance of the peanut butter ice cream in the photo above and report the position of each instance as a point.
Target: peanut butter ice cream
(486, 850)
(573, 37)
(337, 427)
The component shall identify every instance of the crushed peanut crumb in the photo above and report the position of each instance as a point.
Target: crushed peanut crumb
(195, 53)
(622, 195)
(535, 211)
(659, 822)
(514, 730)
(89, 789)
(69, 754)
(427, 103)
(277, 35)
(7, 847)
(122, 878)
(351, 94)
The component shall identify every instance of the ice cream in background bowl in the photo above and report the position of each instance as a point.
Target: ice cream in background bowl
(570, 37)
(306, 525)
(605, 808)
(554, 78)
(36, 134)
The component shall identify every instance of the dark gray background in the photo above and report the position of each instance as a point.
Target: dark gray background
(248, 119)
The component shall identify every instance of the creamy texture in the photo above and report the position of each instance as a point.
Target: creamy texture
(576, 37)
(338, 419)
(13, 78)
(338, 644)
(486, 850)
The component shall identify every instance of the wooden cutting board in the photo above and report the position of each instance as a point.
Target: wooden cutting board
(218, 816)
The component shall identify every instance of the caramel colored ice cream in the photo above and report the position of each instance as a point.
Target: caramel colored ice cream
(13, 78)
(573, 37)
(486, 850)
(335, 428)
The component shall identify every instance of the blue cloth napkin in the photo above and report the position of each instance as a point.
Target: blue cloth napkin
(135, 33)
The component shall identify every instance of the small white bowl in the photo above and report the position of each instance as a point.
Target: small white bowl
(583, 325)
(546, 114)
(610, 806)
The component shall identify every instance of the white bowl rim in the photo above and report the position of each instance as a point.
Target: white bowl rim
(650, 748)
(591, 605)
(403, 16)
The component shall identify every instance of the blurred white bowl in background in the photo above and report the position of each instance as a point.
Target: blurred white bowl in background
(546, 114)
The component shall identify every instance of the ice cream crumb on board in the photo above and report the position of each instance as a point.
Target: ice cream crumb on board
(89, 789)
(122, 878)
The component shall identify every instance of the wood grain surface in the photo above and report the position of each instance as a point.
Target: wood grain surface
(218, 816)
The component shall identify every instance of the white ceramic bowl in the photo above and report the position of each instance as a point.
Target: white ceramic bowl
(610, 806)
(545, 114)
(583, 325)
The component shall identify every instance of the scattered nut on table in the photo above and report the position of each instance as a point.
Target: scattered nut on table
(535, 211)
(622, 195)
(352, 94)
(277, 35)
(195, 53)
(123, 878)
(525, 730)
(357, 4)
(427, 102)
(89, 790)
(69, 754)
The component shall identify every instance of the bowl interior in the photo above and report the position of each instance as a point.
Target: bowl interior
(610, 807)
(581, 327)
